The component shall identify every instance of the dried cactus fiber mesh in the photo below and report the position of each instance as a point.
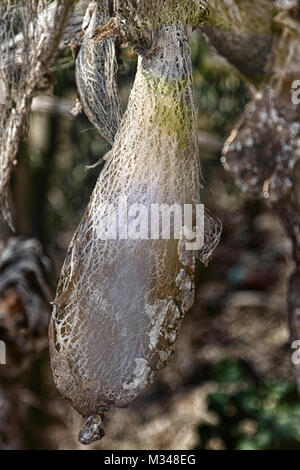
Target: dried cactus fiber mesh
(126, 284)
(146, 15)
(24, 275)
(96, 67)
(263, 149)
(30, 32)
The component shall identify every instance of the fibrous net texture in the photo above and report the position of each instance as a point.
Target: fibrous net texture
(96, 68)
(30, 32)
(25, 269)
(151, 14)
(263, 150)
(120, 302)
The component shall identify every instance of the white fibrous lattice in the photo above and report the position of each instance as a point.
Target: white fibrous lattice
(30, 32)
(120, 302)
(96, 67)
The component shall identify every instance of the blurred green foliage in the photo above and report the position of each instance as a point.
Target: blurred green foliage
(250, 414)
